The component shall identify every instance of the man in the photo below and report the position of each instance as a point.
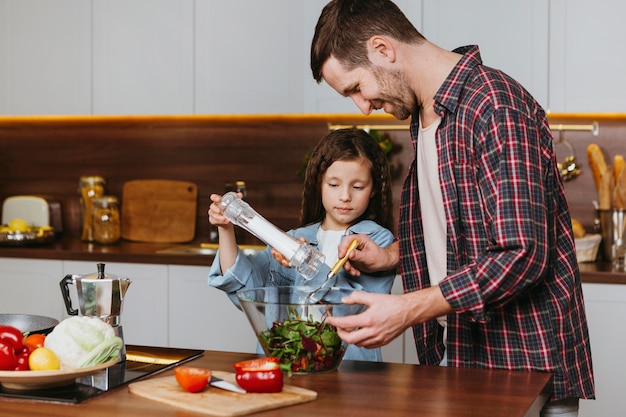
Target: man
(485, 245)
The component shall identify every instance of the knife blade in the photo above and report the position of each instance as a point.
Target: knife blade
(220, 383)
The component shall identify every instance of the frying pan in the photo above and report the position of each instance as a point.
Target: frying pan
(29, 322)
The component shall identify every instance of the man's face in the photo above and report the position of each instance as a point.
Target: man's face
(371, 88)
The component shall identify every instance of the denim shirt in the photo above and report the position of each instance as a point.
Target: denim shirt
(262, 270)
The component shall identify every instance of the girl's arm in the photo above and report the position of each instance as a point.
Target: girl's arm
(226, 234)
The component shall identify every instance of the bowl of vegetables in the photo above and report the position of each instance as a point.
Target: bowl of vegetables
(294, 329)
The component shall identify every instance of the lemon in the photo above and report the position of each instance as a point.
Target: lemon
(43, 359)
(19, 225)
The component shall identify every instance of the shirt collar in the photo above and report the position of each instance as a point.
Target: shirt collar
(447, 98)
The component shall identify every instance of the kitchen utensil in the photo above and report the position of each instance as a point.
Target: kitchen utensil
(319, 292)
(272, 311)
(29, 323)
(99, 295)
(612, 227)
(305, 259)
(159, 211)
(220, 383)
(35, 380)
(217, 402)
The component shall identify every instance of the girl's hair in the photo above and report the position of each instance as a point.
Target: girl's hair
(348, 145)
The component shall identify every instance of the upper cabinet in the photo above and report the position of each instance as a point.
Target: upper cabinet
(512, 36)
(250, 57)
(587, 64)
(143, 56)
(45, 57)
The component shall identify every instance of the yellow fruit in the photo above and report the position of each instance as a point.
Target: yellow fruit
(43, 359)
(19, 225)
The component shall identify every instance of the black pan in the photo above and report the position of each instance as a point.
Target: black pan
(29, 323)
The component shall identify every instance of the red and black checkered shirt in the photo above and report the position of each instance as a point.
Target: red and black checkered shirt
(513, 278)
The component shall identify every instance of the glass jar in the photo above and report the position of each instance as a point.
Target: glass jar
(106, 220)
(89, 188)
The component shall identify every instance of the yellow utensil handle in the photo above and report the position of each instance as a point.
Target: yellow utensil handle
(339, 264)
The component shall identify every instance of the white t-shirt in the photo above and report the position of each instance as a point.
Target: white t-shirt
(328, 241)
(431, 204)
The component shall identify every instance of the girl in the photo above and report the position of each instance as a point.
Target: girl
(347, 190)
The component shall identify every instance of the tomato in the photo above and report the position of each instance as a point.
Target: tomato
(192, 379)
(259, 375)
(8, 360)
(22, 360)
(34, 341)
(43, 359)
(13, 336)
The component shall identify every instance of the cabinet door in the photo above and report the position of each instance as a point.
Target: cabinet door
(143, 57)
(587, 64)
(203, 317)
(31, 286)
(512, 36)
(605, 305)
(242, 56)
(45, 57)
(144, 309)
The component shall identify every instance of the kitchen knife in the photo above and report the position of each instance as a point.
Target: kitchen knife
(220, 383)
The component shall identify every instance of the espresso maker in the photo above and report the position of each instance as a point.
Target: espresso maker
(99, 295)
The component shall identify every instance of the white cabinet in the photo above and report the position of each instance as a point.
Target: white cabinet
(402, 348)
(512, 36)
(143, 56)
(250, 57)
(203, 317)
(31, 287)
(45, 57)
(605, 305)
(145, 312)
(587, 65)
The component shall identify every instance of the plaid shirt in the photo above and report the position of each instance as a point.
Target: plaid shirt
(513, 278)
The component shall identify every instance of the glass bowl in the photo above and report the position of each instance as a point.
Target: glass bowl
(294, 330)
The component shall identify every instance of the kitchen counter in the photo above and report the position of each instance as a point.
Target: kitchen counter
(134, 252)
(358, 388)
(123, 251)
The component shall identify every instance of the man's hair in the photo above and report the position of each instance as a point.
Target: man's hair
(345, 26)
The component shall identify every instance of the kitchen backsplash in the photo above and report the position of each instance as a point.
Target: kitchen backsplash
(48, 155)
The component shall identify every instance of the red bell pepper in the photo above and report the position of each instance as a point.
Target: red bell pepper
(11, 344)
(259, 375)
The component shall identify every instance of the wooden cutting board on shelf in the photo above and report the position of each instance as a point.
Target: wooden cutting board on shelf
(218, 402)
(159, 210)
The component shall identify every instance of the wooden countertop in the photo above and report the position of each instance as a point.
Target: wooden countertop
(357, 388)
(133, 252)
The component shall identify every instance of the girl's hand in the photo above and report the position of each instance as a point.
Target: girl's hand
(216, 215)
(281, 259)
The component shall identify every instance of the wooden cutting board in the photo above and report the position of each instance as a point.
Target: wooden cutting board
(159, 210)
(218, 402)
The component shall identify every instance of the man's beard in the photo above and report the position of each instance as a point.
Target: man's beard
(394, 91)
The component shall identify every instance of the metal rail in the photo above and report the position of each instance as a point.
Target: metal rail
(594, 127)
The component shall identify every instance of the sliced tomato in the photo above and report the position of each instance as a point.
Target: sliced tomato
(192, 379)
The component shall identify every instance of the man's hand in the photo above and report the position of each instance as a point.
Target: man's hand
(369, 257)
(388, 315)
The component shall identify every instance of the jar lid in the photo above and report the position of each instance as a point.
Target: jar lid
(92, 179)
(105, 201)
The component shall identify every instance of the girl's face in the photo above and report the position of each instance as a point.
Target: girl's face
(346, 192)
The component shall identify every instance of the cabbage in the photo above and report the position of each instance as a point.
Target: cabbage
(83, 341)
